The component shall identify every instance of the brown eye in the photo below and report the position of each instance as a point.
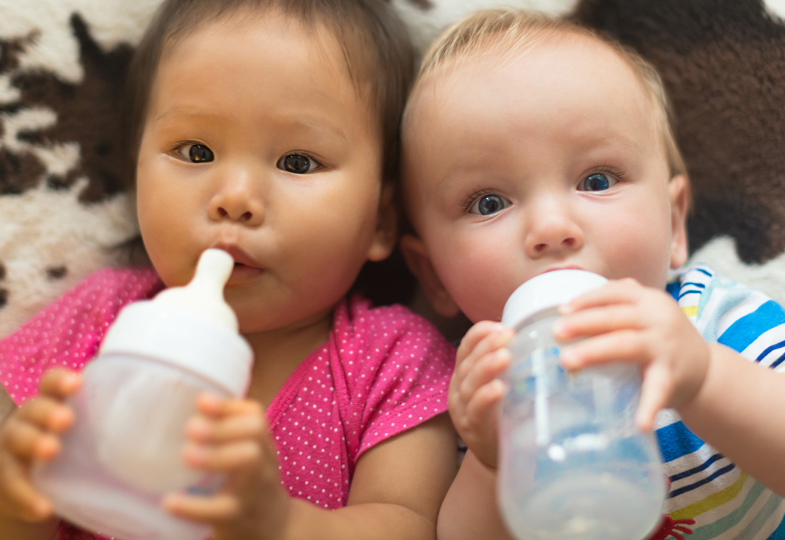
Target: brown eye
(199, 153)
(297, 164)
(196, 153)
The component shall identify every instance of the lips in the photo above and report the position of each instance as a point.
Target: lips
(245, 267)
(566, 267)
(240, 257)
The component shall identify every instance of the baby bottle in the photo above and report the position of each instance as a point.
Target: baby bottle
(573, 465)
(124, 451)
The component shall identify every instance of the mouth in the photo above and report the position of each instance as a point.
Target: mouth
(566, 267)
(245, 267)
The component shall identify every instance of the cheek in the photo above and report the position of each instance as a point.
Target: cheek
(478, 273)
(643, 251)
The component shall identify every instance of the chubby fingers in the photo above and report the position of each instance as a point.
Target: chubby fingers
(614, 292)
(59, 383)
(21, 498)
(656, 392)
(226, 435)
(482, 357)
(31, 433)
(219, 508)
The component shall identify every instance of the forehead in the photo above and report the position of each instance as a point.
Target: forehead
(569, 73)
(576, 86)
(252, 54)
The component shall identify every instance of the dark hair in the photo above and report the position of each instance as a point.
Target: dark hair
(376, 47)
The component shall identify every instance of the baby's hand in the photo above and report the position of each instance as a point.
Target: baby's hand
(231, 437)
(627, 322)
(475, 389)
(32, 433)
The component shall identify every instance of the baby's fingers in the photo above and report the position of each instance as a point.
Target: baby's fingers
(481, 408)
(492, 337)
(656, 392)
(27, 442)
(614, 292)
(225, 458)
(59, 383)
(597, 320)
(204, 429)
(485, 369)
(218, 407)
(47, 414)
(216, 509)
(621, 346)
(21, 497)
(475, 334)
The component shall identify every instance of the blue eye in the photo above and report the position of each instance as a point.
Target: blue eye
(487, 205)
(297, 164)
(597, 182)
(196, 153)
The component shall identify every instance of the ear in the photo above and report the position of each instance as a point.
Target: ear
(416, 255)
(386, 227)
(679, 193)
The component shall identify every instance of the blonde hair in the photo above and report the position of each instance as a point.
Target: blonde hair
(501, 34)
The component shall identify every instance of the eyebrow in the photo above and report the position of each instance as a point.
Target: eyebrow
(321, 127)
(299, 123)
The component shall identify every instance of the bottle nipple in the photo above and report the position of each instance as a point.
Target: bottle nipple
(204, 293)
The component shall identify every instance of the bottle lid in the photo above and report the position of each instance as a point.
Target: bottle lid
(548, 291)
(191, 327)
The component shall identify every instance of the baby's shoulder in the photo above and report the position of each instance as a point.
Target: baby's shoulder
(397, 322)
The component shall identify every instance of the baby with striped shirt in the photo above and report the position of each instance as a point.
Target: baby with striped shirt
(533, 145)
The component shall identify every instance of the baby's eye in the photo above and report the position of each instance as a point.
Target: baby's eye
(490, 204)
(597, 182)
(196, 153)
(297, 164)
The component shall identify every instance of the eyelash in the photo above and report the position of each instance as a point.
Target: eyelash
(176, 147)
(616, 173)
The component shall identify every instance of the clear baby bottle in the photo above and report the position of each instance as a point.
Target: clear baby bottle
(124, 451)
(573, 465)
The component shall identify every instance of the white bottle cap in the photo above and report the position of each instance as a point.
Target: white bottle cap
(548, 291)
(191, 327)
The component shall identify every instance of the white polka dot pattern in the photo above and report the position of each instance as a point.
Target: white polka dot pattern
(383, 371)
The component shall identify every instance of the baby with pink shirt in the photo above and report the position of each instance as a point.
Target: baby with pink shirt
(268, 130)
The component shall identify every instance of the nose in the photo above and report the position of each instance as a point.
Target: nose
(553, 231)
(239, 200)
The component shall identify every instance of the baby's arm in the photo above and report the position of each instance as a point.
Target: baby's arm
(470, 509)
(7, 405)
(395, 493)
(31, 433)
(730, 402)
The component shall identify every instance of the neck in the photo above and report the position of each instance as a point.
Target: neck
(277, 353)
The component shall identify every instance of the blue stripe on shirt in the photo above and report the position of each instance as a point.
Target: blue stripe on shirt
(748, 328)
(699, 468)
(676, 440)
(703, 481)
(768, 351)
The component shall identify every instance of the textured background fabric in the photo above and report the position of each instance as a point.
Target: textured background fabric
(65, 208)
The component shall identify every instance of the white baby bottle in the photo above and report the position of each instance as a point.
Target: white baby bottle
(124, 450)
(573, 465)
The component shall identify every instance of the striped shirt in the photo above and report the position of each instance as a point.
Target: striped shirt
(723, 501)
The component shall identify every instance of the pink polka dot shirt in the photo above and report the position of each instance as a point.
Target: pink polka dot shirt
(382, 371)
